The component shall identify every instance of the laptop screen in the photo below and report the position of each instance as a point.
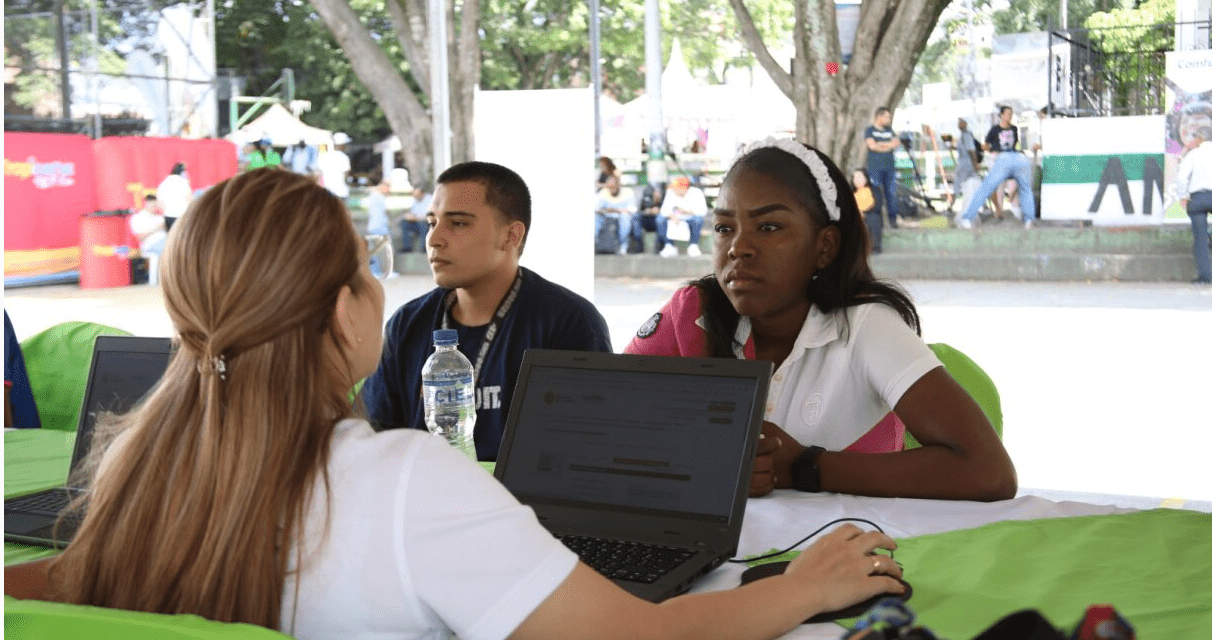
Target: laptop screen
(626, 439)
(124, 369)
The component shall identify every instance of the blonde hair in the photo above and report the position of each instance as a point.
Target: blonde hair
(199, 506)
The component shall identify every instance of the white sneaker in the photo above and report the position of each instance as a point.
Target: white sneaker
(669, 251)
(693, 251)
(963, 223)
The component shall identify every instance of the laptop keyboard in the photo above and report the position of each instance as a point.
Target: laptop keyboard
(620, 560)
(47, 502)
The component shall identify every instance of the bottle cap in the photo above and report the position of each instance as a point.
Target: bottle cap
(445, 336)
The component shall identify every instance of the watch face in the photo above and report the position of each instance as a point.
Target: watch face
(805, 475)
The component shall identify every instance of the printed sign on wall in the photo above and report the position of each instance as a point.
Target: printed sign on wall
(1106, 170)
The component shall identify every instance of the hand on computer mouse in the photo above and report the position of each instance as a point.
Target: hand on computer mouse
(843, 568)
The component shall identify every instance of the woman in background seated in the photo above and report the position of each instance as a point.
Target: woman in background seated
(871, 206)
(247, 488)
(792, 286)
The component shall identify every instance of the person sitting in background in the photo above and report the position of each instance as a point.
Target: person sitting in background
(617, 203)
(412, 223)
(478, 224)
(686, 205)
(293, 514)
(606, 169)
(870, 206)
(20, 410)
(792, 286)
(147, 224)
(650, 218)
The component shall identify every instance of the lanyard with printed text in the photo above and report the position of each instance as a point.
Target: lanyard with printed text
(502, 310)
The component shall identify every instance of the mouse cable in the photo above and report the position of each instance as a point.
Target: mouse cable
(806, 538)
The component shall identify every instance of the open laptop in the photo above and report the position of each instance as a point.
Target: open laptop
(640, 464)
(123, 370)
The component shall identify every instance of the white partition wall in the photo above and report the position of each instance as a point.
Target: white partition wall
(547, 137)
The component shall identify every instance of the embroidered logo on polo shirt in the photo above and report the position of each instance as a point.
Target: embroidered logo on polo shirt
(650, 326)
(810, 412)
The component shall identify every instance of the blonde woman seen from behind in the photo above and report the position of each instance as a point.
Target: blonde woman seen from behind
(247, 488)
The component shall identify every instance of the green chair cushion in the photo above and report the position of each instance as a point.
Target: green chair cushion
(974, 380)
(37, 620)
(58, 359)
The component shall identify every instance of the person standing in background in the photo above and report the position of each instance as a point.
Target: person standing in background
(262, 155)
(412, 223)
(1195, 194)
(301, 158)
(174, 194)
(334, 167)
(1008, 163)
(881, 141)
(966, 162)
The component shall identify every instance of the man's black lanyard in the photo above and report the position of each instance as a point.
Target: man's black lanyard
(497, 317)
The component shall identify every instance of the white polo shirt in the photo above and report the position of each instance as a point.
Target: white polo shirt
(830, 391)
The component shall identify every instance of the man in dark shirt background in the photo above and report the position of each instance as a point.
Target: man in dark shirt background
(881, 141)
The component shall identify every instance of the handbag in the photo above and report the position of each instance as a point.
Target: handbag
(678, 230)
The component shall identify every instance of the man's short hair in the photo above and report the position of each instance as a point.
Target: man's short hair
(1004, 108)
(504, 189)
(881, 111)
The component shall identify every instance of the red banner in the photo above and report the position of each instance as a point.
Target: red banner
(48, 185)
(129, 168)
(50, 180)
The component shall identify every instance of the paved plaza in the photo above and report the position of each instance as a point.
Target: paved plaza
(1105, 386)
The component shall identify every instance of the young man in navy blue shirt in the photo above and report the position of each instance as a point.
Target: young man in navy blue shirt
(477, 228)
(881, 142)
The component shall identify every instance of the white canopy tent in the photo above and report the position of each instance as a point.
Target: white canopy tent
(281, 127)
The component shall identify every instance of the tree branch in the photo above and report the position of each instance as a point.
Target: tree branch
(408, 17)
(753, 40)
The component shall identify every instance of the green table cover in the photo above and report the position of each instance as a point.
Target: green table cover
(34, 459)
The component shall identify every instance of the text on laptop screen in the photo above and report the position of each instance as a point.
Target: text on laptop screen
(631, 440)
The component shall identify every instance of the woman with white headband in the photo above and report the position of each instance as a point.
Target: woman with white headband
(852, 374)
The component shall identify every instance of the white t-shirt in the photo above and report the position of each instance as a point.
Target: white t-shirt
(422, 543)
(174, 195)
(829, 392)
(333, 167)
(692, 203)
(149, 225)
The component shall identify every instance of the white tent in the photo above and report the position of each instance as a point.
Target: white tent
(283, 128)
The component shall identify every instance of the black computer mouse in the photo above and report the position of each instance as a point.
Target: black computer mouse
(853, 611)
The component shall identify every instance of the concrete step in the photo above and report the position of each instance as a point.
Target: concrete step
(992, 252)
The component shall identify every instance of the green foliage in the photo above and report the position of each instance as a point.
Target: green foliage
(545, 44)
(256, 39)
(1023, 16)
(1133, 42)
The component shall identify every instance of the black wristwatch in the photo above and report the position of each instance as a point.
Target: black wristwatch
(805, 475)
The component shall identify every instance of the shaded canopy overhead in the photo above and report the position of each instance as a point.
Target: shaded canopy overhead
(282, 127)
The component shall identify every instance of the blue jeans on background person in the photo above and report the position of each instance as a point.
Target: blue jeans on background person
(1198, 209)
(696, 228)
(657, 223)
(1009, 164)
(884, 181)
(625, 224)
(410, 230)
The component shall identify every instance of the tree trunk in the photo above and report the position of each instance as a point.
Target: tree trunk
(403, 104)
(833, 109)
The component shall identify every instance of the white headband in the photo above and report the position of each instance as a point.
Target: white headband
(811, 159)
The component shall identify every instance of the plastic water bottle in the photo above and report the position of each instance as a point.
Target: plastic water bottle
(450, 400)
